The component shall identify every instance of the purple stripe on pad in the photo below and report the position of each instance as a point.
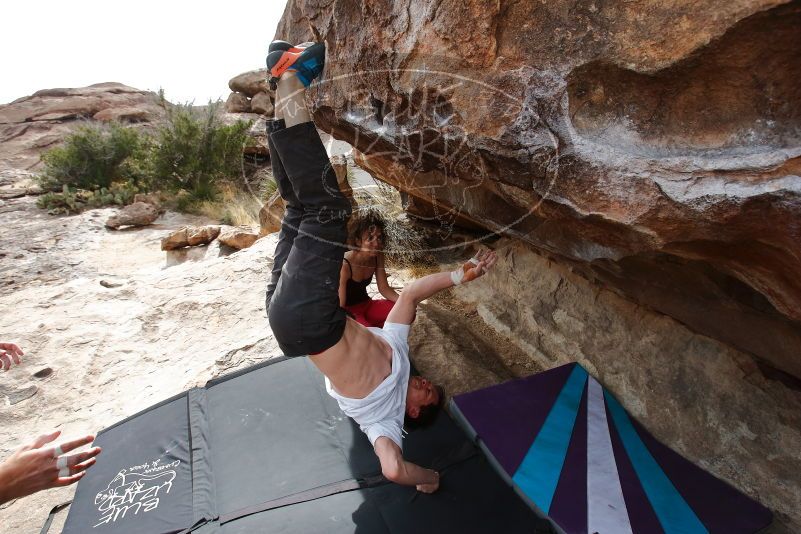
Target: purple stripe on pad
(642, 517)
(569, 505)
(508, 417)
(721, 508)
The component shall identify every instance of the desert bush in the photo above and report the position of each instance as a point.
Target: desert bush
(193, 151)
(189, 155)
(95, 156)
(76, 200)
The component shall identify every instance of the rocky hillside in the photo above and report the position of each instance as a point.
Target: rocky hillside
(646, 153)
(32, 124)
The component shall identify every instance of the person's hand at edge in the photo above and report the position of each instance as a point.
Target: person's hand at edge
(35, 467)
(9, 353)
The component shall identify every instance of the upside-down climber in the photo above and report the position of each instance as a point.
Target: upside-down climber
(367, 370)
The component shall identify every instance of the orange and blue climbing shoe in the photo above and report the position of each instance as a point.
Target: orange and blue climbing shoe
(306, 61)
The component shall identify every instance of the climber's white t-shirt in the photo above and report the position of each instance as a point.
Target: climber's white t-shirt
(381, 413)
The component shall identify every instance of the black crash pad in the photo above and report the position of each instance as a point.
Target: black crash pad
(267, 450)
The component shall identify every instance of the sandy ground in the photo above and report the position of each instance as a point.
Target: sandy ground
(167, 323)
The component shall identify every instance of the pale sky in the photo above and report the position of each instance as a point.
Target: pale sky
(191, 49)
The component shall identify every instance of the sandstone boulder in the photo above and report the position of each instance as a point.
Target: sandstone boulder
(656, 161)
(189, 236)
(271, 214)
(250, 83)
(262, 104)
(135, 214)
(16, 183)
(237, 103)
(237, 237)
(647, 154)
(201, 235)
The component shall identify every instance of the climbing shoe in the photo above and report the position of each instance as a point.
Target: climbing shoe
(284, 47)
(308, 63)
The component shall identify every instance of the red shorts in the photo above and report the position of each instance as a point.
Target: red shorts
(371, 312)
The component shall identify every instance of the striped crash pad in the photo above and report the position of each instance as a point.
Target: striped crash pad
(572, 452)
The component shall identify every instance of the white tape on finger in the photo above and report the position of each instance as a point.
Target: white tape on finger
(57, 451)
(61, 462)
(63, 472)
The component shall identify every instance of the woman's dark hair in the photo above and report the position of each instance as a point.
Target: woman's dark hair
(366, 221)
(427, 415)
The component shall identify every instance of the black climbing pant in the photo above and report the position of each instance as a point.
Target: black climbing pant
(303, 292)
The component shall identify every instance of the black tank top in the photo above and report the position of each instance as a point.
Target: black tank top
(356, 292)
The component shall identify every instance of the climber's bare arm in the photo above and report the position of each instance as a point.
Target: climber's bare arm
(404, 310)
(399, 471)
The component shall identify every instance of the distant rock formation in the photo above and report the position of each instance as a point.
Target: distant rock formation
(32, 124)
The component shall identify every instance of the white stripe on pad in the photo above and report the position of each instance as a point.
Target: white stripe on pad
(606, 508)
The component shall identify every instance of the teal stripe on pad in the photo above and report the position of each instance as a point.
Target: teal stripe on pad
(539, 472)
(673, 512)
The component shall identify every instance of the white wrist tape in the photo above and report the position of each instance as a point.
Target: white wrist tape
(457, 276)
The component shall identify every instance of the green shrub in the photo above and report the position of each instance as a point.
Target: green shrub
(102, 165)
(76, 200)
(193, 151)
(95, 156)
